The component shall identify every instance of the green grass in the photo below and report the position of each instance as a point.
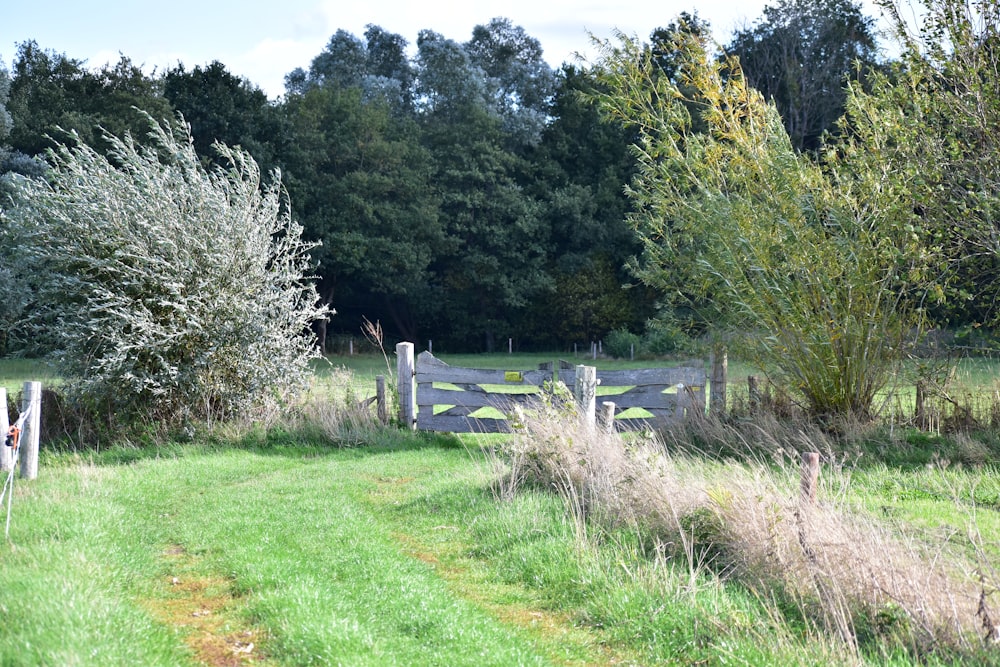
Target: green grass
(940, 504)
(306, 550)
(399, 553)
(393, 554)
(15, 372)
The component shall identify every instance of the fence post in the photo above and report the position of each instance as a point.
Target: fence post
(753, 392)
(608, 416)
(810, 477)
(32, 427)
(6, 457)
(406, 382)
(918, 406)
(585, 389)
(381, 403)
(717, 383)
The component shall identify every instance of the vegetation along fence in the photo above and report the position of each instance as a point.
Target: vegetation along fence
(434, 396)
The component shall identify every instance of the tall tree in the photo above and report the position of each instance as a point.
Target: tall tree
(519, 81)
(5, 120)
(821, 270)
(801, 54)
(387, 67)
(51, 91)
(492, 262)
(45, 94)
(360, 182)
(119, 95)
(378, 65)
(448, 82)
(222, 107)
(340, 64)
(580, 168)
(929, 125)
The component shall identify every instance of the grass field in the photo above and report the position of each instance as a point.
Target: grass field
(283, 553)
(283, 548)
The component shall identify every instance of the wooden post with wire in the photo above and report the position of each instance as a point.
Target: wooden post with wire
(6, 456)
(406, 382)
(753, 392)
(32, 429)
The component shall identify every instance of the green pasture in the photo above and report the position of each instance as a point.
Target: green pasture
(15, 372)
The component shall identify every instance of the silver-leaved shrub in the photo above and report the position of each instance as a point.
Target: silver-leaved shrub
(171, 291)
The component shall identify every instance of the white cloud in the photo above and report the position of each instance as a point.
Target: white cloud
(267, 63)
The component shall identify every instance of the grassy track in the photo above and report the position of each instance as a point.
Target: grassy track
(311, 557)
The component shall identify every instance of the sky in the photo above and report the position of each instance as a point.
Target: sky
(264, 40)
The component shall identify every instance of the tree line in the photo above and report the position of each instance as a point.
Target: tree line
(467, 193)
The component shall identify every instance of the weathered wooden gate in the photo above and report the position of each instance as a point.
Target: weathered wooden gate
(437, 397)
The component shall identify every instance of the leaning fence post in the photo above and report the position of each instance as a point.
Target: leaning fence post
(717, 383)
(406, 382)
(585, 389)
(6, 457)
(32, 426)
(810, 477)
(381, 403)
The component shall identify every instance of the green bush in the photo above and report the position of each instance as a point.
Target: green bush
(662, 338)
(171, 292)
(622, 343)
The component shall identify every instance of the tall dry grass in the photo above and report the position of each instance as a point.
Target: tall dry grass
(842, 573)
(336, 413)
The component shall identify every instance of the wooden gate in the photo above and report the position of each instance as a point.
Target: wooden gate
(439, 397)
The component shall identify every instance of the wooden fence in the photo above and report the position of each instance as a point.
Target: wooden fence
(434, 396)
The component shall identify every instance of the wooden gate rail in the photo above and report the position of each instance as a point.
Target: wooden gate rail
(664, 393)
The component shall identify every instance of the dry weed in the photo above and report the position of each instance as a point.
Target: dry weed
(848, 574)
(337, 414)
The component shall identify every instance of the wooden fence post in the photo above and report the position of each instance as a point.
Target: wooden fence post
(406, 382)
(810, 477)
(585, 390)
(6, 456)
(717, 383)
(381, 402)
(32, 428)
(608, 416)
(753, 392)
(919, 415)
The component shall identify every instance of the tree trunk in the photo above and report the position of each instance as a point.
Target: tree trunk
(320, 326)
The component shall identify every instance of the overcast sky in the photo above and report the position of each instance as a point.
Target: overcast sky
(264, 40)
